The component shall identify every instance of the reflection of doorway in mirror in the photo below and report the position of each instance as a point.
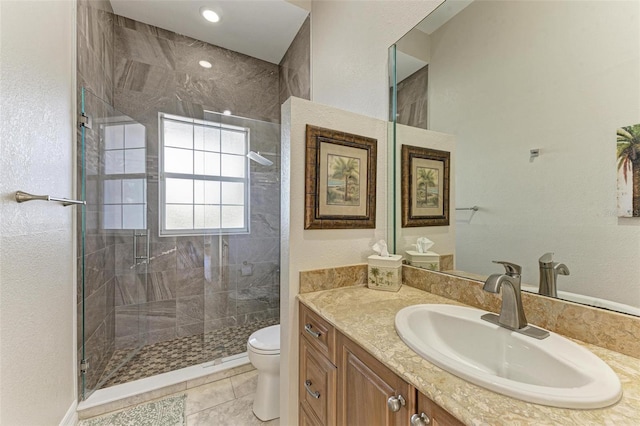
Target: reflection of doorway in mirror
(628, 160)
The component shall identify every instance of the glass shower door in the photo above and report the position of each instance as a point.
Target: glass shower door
(242, 268)
(114, 247)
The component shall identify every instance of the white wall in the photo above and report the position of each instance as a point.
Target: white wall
(444, 237)
(313, 249)
(37, 95)
(349, 50)
(506, 77)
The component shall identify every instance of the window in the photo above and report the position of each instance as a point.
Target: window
(123, 177)
(204, 177)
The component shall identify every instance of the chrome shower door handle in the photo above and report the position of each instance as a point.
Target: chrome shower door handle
(136, 258)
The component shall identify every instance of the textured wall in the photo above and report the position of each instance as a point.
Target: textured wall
(37, 383)
(295, 66)
(183, 292)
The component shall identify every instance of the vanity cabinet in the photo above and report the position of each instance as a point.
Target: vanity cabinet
(342, 384)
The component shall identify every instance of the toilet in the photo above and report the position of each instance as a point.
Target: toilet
(263, 348)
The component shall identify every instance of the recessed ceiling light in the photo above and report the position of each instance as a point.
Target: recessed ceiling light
(209, 15)
(205, 64)
(226, 112)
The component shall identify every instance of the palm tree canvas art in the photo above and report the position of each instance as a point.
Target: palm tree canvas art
(343, 180)
(425, 174)
(428, 189)
(628, 152)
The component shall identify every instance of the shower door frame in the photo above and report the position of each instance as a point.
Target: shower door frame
(139, 264)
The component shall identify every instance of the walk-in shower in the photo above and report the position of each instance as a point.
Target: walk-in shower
(179, 241)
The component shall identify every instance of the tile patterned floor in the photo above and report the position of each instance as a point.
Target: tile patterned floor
(180, 353)
(225, 403)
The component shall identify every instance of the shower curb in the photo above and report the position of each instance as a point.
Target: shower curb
(126, 395)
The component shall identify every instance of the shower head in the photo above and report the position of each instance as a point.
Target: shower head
(255, 156)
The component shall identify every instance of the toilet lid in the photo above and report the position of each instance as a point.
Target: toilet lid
(266, 340)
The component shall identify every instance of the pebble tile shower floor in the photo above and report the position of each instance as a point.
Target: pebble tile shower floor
(182, 352)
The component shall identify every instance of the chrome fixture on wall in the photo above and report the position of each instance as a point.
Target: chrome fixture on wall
(22, 197)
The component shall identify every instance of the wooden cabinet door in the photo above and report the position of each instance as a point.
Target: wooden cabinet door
(306, 419)
(438, 416)
(317, 388)
(365, 385)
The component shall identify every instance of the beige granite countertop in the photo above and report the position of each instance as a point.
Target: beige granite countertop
(367, 317)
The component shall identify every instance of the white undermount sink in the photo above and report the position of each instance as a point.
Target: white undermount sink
(553, 371)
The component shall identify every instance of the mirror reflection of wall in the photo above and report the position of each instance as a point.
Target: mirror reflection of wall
(561, 77)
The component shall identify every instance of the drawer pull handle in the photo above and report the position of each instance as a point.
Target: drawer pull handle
(307, 386)
(308, 329)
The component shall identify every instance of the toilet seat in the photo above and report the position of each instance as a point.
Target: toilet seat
(265, 341)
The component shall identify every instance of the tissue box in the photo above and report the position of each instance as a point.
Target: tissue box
(429, 260)
(385, 273)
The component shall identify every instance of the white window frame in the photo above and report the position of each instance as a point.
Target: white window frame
(163, 175)
(103, 176)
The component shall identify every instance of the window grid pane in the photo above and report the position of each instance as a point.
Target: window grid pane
(123, 178)
(213, 181)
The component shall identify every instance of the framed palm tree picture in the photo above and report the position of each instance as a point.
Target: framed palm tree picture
(425, 187)
(628, 151)
(340, 180)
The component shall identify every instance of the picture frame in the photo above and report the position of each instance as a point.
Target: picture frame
(340, 180)
(425, 186)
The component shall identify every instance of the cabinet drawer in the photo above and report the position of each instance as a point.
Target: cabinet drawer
(317, 387)
(320, 334)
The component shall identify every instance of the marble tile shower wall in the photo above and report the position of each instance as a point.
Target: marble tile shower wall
(412, 99)
(295, 66)
(195, 284)
(95, 73)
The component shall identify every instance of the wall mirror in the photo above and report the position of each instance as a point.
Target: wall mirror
(533, 94)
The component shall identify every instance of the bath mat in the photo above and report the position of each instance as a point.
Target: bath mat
(164, 412)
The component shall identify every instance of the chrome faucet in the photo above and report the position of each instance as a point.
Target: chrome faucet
(511, 312)
(549, 271)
